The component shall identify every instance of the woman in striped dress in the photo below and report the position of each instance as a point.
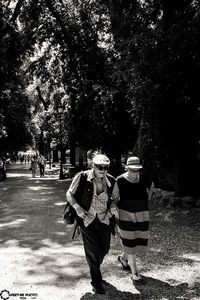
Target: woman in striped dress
(131, 192)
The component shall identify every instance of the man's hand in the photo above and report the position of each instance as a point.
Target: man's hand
(81, 212)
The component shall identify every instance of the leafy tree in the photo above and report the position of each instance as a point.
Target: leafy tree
(158, 44)
(75, 33)
(127, 67)
(14, 107)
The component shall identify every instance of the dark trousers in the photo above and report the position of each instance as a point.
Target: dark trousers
(96, 241)
(41, 170)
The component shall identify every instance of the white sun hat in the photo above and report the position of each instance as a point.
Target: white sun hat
(101, 159)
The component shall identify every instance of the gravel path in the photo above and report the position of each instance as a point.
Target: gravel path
(40, 261)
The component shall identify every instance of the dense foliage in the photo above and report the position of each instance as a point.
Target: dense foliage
(158, 44)
(14, 104)
(126, 71)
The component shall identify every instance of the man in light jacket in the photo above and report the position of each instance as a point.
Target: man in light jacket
(90, 195)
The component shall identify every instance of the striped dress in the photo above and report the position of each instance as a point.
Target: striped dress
(133, 220)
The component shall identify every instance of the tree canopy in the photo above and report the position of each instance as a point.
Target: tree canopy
(128, 71)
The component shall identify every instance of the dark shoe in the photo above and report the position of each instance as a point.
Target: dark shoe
(98, 289)
(124, 263)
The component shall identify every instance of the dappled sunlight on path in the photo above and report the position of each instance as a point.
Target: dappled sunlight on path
(37, 254)
(35, 251)
(49, 269)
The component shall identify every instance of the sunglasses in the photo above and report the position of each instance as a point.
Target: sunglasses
(102, 168)
(134, 170)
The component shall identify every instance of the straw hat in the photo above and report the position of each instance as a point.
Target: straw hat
(133, 163)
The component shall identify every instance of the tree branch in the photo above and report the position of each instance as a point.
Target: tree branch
(16, 11)
(56, 15)
(45, 103)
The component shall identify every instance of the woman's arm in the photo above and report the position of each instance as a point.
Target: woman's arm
(115, 195)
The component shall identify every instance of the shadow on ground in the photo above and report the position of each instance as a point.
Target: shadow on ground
(151, 289)
(31, 210)
(112, 293)
(36, 247)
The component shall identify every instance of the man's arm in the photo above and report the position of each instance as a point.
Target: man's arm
(70, 196)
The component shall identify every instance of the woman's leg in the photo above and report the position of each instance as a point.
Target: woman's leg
(124, 256)
(135, 276)
(132, 263)
(123, 259)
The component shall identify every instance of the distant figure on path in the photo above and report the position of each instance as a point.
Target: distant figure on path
(131, 195)
(33, 166)
(42, 164)
(21, 159)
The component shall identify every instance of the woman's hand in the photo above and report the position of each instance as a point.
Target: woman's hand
(115, 212)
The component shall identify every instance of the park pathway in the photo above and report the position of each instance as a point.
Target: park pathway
(39, 260)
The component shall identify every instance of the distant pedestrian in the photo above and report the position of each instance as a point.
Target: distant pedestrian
(42, 164)
(131, 194)
(2, 168)
(33, 166)
(21, 159)
(90, 195)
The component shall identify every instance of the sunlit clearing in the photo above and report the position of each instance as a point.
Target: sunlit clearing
(49, 177)
(37, 188)
(59, 203)
(176, 273)
(156, 250)
(45, 193)
(15, 223)
(11, 175)
(39, 200)
(195, 257)
(60, 221)
(61, 233)
(69, 248)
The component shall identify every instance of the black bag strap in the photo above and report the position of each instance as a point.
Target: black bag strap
(110, 190)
